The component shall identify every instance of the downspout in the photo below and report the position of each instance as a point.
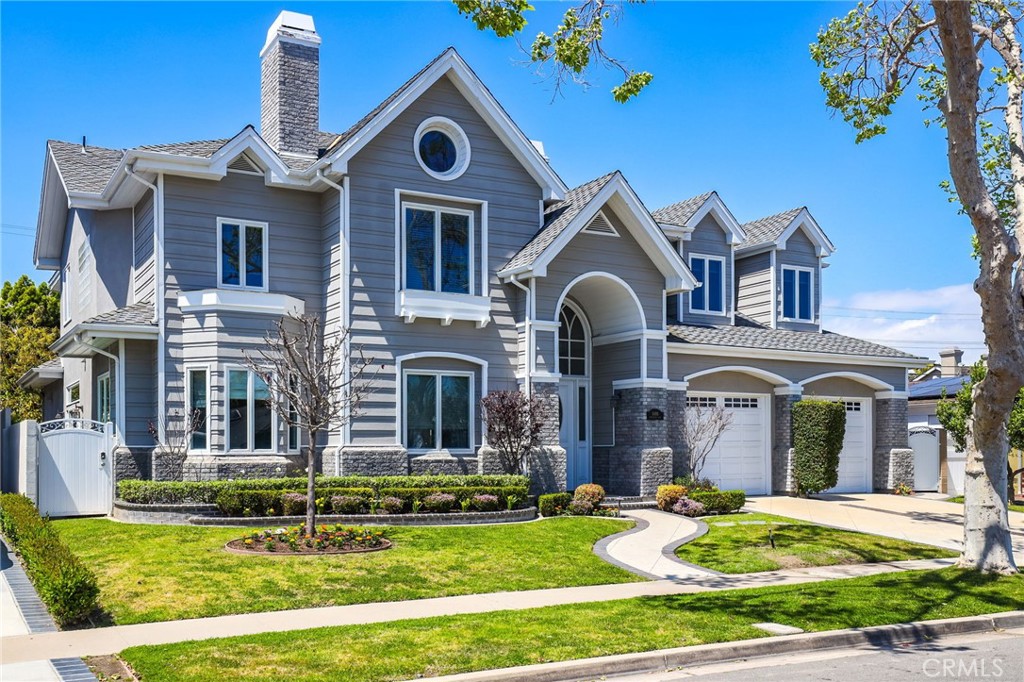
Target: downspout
(530, 354)
(117, 374)
(158, 295)
(342, 294)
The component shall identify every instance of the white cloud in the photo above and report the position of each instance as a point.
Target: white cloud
(919, 321)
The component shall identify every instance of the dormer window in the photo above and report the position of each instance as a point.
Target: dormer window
(709, 297)
(798, 294)
(243, 247)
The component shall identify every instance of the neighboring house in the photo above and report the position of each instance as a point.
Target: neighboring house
(925, 395)
(438, 233)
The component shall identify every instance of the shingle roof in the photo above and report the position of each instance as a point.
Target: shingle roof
(136, 314)
(767, 230)
(199, 148)
(557, 218)
(764, 338)
(932, 388)
(52, 363)
(84, 171)
(681, 212)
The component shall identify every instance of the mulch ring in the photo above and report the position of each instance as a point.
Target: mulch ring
(282, 549)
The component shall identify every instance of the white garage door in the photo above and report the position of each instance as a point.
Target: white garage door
(855, 459)
(739, 461)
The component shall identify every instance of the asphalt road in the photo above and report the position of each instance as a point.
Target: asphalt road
(993, 657)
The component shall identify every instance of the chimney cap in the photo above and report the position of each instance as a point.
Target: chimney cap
(292, 27)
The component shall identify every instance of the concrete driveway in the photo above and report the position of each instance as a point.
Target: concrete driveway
(915, 518)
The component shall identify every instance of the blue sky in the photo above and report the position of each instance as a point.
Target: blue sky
(735, 106)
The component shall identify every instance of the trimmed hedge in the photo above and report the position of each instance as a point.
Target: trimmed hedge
(64, 583)
(206, 492)
(719, 501)
(818, 430)
(552, 503)
(272, 502)
(407, 495)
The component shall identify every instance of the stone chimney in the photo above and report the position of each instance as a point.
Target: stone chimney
(290, 85)
(949, 362)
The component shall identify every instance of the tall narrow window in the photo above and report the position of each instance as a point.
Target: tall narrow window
(798, 294)
(198, 408)
(438, 411)
(250, 414)
(104, 407)
(572, 344)
(243, 254)
(438, 249)
(710, 296)
(293, 417)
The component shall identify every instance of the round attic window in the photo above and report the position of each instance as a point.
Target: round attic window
(441, 147)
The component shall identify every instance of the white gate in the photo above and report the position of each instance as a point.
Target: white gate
(75, 467)
(925, 443)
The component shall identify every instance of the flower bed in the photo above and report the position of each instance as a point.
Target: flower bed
(335, 539)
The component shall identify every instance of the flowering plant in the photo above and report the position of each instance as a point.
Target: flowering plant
(295, 538)
(688, 507)
(439, 502)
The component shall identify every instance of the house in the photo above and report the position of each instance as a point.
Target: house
(938, 455)
(438, 232)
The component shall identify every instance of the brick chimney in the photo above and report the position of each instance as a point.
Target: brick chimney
(949, 361)
(290, 85)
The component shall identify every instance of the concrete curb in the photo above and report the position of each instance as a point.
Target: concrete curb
(881, 636)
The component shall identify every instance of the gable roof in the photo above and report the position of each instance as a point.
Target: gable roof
(766, 230)
(680, 212)
(775, 231)
(84, 169)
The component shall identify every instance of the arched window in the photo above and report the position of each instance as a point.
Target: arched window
(572, 343)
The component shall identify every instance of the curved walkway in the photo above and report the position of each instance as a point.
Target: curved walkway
(649, 548)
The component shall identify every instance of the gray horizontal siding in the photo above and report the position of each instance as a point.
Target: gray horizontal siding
(754, 287)
(145, 269)
(139, 391)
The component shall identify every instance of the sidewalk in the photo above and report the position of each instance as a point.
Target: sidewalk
(649, 549)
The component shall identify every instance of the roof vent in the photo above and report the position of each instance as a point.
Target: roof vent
(600, 225)
(244, 164)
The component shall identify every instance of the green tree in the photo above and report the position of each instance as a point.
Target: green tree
(29, 321)
(965, 63)
(572, 49)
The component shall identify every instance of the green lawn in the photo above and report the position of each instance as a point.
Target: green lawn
(152, 573)
(1013, 507)
(746, 548)
(440, 646)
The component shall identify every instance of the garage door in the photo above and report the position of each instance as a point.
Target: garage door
(855, 459)
(739, 461)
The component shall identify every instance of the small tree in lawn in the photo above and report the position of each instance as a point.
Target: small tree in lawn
(514, 422)
(703, 425)
(819, 427)
(308, 386)
(177, 427)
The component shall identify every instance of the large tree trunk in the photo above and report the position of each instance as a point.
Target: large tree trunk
(987, 545)
(311, 482)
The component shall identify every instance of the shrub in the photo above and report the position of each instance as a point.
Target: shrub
(688, 507)
(902, 489)
(580, 508)
(293, 504)
(348, 504)
(668, 495)
(554, 504)
(250, 503)
(691, 483)
(439, 502)
(485, 502)
(590, 492)
(818, 430)
(720, 501)
(461, 493)
(392, 505)
(64, 583)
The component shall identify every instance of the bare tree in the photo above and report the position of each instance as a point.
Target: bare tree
(514, 422)
(178, 428)
(702, 426)
(313, 383)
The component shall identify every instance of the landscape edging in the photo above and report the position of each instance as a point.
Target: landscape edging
(450, 519)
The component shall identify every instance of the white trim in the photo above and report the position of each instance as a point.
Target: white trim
(542, 377)
(666, 384)
(869, 381)
(243, 225)
(110, 398)
(439, 374)
(240, 300)
(607, 275)
(792, 356)
(892, 395)
(813, 231)
(67, 395)
(121, 390)
(188, 368)
(400, 389)
(797, 269)
(722, 215)
(792, 389)
(631, 335)
(587, 341)
(463, 150)
(600, 214)
(755, 372)
(776, 294)
(707, 258)
(250, 417)
(160, 303)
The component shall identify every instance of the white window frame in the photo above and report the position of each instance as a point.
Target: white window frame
(76, 401)
(439, 373)
(209, 404)
(242, 224)
(797, 269)
(251, 421)
(288, 435)
(707, 307)
(438, 210)
(463, 151)
(105, 377)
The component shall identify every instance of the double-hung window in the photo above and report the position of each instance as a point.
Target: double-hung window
(250, 415)
(242, 261)
(438, 249)
(709, 297)
(798, 294)
(197, 390)
(438, 411)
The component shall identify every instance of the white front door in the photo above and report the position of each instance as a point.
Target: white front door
(574, 429)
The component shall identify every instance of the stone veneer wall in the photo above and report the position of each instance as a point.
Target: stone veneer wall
(782, 443)
(640, 460)
(548, 465)
(222, 467)
(891, 436)
(675, 402)
(131, 464)
(369, 460)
